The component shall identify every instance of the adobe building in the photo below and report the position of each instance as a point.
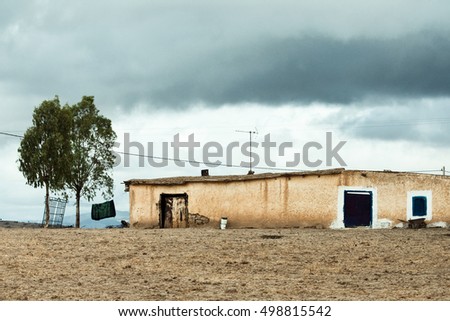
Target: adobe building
(335, 198)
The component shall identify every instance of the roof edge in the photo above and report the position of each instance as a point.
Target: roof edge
(180, 180)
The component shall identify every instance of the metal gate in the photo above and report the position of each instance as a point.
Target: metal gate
(57, 210)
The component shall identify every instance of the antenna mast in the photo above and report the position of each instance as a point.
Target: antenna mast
(250, 132)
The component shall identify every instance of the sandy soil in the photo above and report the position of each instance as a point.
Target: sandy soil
(212, 264)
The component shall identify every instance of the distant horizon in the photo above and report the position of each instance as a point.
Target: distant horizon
(85, 218)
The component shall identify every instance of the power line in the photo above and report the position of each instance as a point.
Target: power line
(208, 163)
(232, 165)
(256, 167)
(355, 124)
(12, 135)
(425, 171)
(394, 124)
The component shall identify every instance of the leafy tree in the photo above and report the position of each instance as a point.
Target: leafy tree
(92, 139)
(44, 151)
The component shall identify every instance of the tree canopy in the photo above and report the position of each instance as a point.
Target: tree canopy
(92, 160)
(44, 151)
(70, 148)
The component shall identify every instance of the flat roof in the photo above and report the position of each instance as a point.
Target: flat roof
(226, 178)
(180, 180)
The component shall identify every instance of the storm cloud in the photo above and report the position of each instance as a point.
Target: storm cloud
(422, 121)
(317, 69)
(227, 52)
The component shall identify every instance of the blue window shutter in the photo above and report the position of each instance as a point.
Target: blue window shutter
(419, 206)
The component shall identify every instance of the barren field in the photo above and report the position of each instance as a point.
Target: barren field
(212, 264)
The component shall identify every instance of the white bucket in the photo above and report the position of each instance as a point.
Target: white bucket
(223, 223)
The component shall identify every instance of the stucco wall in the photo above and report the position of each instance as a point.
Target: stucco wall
(270, 202)
(393, 188)
(293, 200)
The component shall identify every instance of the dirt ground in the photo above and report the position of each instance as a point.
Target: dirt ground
(213, 264)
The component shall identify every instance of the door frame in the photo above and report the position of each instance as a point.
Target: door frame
(162, 205)
(339, 222)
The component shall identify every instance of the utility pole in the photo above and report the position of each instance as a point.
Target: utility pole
(250, 132)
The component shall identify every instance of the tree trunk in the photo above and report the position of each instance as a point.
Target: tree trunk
(77, 218)
(47, 205)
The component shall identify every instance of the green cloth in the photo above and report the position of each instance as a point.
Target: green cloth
(103, 210)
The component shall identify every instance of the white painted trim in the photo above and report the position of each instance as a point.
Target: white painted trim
(339, 222)
(428, 194)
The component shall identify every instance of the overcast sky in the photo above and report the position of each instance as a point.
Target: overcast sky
(374, 73)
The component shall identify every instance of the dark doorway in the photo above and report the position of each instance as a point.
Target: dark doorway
(174, 211)
(357, 208)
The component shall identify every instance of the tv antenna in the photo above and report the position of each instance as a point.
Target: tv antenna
(250, 132)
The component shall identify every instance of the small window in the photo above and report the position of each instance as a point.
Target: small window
(419, 206)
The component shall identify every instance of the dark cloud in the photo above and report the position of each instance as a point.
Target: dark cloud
(174, 55)
(420, 121)
(317, 69)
